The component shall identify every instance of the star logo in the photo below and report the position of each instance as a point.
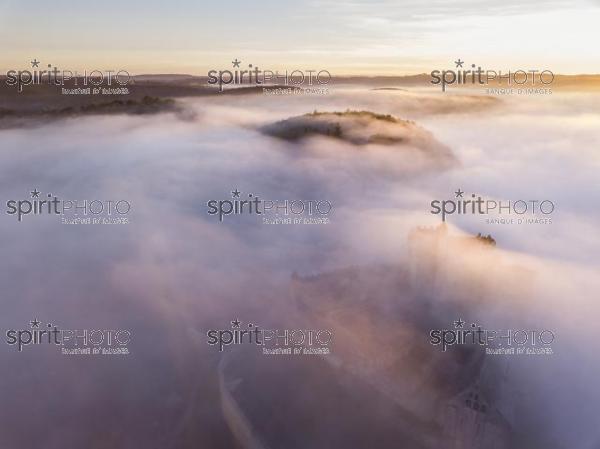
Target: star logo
(34, 323)
(459, 193)
(35, 193)
(459, 63)
(459, 324)
(35, 63)
(235, 323)
(235, 193)
(236, 63)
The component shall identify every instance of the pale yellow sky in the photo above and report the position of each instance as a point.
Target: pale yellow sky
(354, 37)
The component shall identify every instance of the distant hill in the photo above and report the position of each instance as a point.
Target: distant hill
(368, 131)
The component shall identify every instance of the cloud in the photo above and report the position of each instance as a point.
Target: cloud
(175, 271)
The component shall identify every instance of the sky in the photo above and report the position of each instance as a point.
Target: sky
(384, 37)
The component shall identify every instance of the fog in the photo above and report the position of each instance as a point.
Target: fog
(174, 271)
